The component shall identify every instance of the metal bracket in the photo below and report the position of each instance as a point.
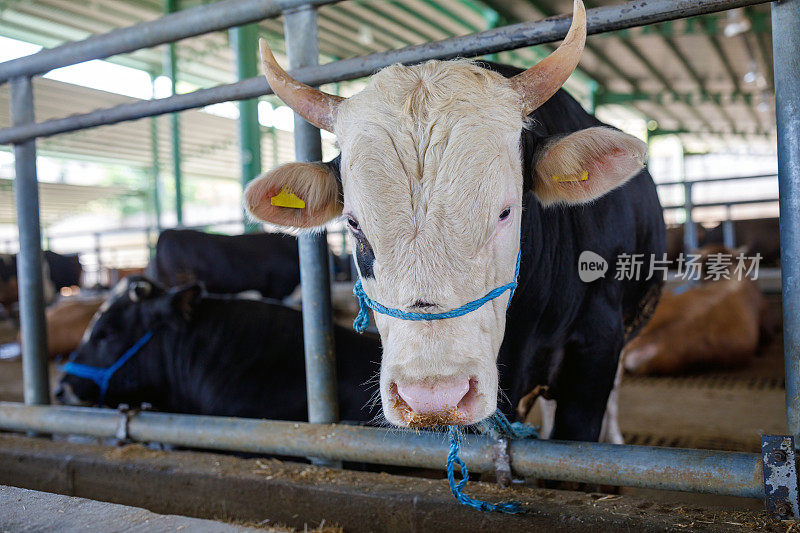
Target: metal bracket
(125, 414)
(502, 462)
(780, 476)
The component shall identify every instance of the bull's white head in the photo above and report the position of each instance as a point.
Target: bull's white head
(431, 186)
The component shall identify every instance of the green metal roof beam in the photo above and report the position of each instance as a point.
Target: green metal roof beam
(717, 47)
(599, 55)
(416, 31)
(763, 46)
(670, 42)
(654, 71)
(378, 33)
(687, 97)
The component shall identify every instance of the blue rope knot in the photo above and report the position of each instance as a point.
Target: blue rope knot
(361, 323)
(496, 426)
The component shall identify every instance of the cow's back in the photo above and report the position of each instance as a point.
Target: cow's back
(228, 264)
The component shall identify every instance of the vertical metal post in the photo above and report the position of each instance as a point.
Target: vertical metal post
(36, 384)
(171, 70)
(728, 231)
(275, 158)
(98, 250)
(244, 41)
(300, 27)
(689, 227)
(155, 171)
(786, 44)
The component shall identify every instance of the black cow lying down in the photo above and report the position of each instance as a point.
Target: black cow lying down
(212, 355)
(227, 264)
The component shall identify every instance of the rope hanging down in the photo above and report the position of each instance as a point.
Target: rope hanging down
(496, 426)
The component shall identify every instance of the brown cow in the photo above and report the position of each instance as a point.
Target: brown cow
(715, 324)
(67, 320)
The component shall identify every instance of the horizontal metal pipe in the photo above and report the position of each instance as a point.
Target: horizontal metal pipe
(716, 180)
(188, 23)
(723, 204)
(602, 19)
(729, 473)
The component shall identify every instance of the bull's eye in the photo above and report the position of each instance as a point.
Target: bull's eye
(505, 213)
(353, 223)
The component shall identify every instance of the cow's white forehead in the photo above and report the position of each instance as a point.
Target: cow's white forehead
(430, 156)
(431, 142)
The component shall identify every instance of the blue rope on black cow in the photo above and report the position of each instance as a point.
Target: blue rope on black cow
(496, 426)
(102, 376)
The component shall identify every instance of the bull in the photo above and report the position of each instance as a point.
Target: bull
(227, 264)
(454, 179)
(209, 355)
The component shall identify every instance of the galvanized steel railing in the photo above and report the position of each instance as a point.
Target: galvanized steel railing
(691, 470)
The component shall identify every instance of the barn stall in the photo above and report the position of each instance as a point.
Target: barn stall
(340, 496)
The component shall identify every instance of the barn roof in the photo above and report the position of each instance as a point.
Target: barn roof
(687, 75)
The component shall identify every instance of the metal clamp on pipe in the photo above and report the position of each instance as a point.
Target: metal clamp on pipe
(502, 463)
(780, 476)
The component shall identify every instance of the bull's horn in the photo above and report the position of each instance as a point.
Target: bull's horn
(315, 106)
(537, 84)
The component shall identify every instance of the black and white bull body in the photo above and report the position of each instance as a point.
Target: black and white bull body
(449, 171)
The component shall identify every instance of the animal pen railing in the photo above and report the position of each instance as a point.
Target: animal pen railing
(738, 474)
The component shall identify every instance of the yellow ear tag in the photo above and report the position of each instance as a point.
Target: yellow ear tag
(582, 177)
(286, 198)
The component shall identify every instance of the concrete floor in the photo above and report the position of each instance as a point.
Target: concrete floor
(26, 510)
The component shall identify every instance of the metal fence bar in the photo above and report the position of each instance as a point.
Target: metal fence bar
(689, 226)
(715, 180)
(29, 260)
(602, 19)
(300, 27)
(729, 232)
(189, 23)
(729, 473)
(786, 44)
(723, 203)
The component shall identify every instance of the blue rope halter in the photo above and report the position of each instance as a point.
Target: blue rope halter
(496, 425)
(102, 376)
(361, 322)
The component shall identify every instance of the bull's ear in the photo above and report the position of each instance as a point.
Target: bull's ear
(176, 306)
(184, 300)
(585, 165)
(296, 195)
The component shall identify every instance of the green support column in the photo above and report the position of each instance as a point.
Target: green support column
(171, 70)
(155, 168)
(244, 41)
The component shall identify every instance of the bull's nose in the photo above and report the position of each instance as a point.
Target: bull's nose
(434, 403)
